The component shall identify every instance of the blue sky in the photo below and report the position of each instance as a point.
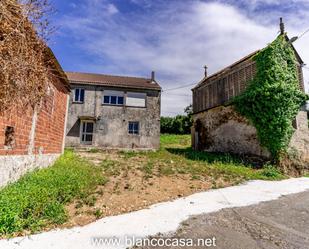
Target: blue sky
(173, 37)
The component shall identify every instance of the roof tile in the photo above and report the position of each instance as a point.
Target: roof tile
(112, 80)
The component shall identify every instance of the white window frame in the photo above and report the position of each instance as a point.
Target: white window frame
(134, 131)
(79, 96)
(115, 94)
(84, 133)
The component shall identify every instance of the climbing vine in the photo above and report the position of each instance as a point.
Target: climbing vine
(273, 98)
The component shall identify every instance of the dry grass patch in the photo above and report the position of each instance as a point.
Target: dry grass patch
(138, 179)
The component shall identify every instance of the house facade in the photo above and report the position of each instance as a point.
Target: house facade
(219, 128)
(113, 112)
(34, 137)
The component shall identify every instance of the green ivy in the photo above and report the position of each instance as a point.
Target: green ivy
(273, 98)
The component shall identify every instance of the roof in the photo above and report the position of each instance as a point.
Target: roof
(112, 80)
(248, 57)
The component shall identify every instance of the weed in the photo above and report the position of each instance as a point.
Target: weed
(129, 154)
(166, 170)
(148, 168)
(38, 199)
(90, 200)
(270, 172)
(98, 213)
(79, 204)
(196, 177)
(111, 168)
(94, 150)
(100, 192)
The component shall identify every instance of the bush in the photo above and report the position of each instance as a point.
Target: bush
(38, 199)
(181, 124)
(176, 125)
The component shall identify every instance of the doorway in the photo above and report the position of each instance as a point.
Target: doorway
(87, 128)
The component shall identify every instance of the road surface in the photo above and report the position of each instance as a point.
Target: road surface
(278, 224)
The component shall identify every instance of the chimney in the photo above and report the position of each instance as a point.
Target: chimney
(153, 76)
(281, 26)
(205, 73)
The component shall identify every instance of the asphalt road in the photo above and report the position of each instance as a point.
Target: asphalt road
(282, 223)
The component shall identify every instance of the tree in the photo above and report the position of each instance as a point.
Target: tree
(181, 124)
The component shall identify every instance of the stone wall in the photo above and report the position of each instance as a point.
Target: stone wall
(223, 129)
(111, 122)
(14, 166)
(299, 144)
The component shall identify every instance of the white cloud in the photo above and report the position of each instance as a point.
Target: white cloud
(112, 9)
(175, 40)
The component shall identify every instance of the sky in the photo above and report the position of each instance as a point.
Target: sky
(174, 38)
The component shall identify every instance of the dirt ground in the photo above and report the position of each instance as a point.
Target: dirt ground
(279, 224)
(132, 186)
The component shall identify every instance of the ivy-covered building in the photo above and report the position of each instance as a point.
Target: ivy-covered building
(254, 106)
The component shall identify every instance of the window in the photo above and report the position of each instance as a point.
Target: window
(9, 141)
(113, 98)
(79, 95)
(134, 128)
(136, 99)
(87, 132)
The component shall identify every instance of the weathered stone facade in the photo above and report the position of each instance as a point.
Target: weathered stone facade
(111, 121)
(299, 143)
(222, 129)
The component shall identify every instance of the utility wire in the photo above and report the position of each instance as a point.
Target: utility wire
(182, 95)
(179, 87)
(303, 34)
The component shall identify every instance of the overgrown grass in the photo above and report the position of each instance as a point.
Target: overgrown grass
(177, 156)
(38, 199)
(169, 140)
(111, 168)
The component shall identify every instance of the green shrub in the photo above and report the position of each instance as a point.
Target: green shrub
(38, 199)
(273, 98)
(270, 172)
(181, 124)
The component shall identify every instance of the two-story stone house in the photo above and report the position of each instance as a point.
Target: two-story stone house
(113, 112)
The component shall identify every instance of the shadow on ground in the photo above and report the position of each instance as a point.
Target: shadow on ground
(212, 157)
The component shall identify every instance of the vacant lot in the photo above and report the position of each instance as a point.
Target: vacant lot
(84, 186)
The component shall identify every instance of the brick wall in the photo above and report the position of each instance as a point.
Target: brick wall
(49, 127)
(21, 120)
(50, 123)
